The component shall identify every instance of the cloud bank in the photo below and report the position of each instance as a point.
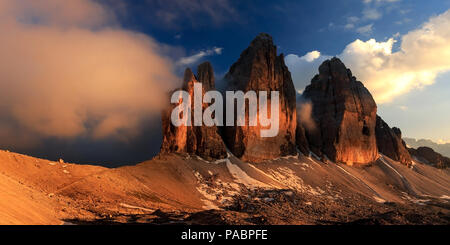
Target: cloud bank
(68, 70)
(423, 54)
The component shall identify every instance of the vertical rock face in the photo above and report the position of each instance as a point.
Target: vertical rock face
(345, 116)
(203, 141)
(260, 69)
(301, 140)
(390, 143)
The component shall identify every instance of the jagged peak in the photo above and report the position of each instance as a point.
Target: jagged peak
(262, 41)
(188, 75)
(205, 75)
(333, 65)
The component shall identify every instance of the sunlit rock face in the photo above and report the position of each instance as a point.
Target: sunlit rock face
(345, 116)
(390, 143)
(203, 141)
(260, 69)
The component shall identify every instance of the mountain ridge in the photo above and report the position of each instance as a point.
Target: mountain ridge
(443, 149)
(199, 179)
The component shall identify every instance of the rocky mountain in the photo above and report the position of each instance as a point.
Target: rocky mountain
(336, 118)
(260, 69)
(344, 114)
(429, 156)
(203, 141)
(390, 143)
(262, 181)
(443, 149)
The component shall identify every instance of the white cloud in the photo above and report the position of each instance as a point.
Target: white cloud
(189, 60)
(303, 68)
(424, 54)
(352, 19)
(311, 56)
(365, 30)
(349, 26)
(371, 14)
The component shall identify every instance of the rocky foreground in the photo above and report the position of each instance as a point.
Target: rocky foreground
(182, 189)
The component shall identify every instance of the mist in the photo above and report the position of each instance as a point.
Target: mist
(74, 84)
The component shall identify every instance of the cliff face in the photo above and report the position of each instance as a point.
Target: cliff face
(390, 143)
(260, 69)
(203, 141)
(344, 113)
(338, 119)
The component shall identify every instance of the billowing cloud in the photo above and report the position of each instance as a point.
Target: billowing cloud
(67, 70)
(423, 54)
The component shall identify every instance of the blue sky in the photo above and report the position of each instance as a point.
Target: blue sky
(299, 27)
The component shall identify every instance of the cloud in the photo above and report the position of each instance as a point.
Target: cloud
(365, 30)
(303, 68)
(305, 114)
(352, 19)
(424, 53)
(373, 10)
(371, 14)
(189, 60)
(443, 142)
(67, 70)
(349, 26)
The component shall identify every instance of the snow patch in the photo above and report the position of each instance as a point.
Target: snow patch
(379, 200)
(242, 177)
(136, 207)
(445, 197)
(287, 177)
(215, 192)
(415, 200)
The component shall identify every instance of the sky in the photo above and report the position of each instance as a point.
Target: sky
(85, 80)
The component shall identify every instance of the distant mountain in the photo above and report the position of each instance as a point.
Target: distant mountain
(444, 149)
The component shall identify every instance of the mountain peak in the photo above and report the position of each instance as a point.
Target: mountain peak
(262, 38)
(205, 75)
(260, 69)
(344, 112)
